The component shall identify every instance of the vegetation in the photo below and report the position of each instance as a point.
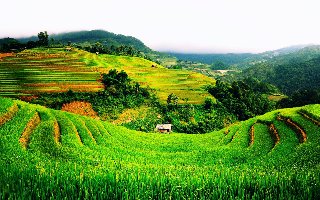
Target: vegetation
(245, 100)
(90, 38)
(301, 98)
(183, 83)
(87, 158)
(290, 72)
(42, 70)
(119, 93)
(51, 154)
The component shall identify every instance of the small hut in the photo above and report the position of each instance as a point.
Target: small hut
(164, 128)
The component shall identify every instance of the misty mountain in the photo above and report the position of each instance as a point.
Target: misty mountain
(91, 37)
(229, 59)
(298, 70)
(238, 60)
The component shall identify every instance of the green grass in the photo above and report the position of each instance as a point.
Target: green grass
(124, 164)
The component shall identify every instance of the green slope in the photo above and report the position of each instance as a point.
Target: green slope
(58, 70)
(46, 70)
(185, 84)
(290, 72)
(91, 37)
(53, 154)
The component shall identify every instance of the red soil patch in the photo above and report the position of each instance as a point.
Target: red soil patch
(274, 134)
(3, 55)
(81, 108)
(28, 98)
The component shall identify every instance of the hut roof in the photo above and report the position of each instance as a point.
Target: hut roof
(163, 126)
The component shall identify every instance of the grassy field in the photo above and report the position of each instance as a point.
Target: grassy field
(57, 70)
(53, 154)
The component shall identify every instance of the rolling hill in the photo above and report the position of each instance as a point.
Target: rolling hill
(91, 37)
(46, 70)
(53, 154)
(290, 72)
(34, 71)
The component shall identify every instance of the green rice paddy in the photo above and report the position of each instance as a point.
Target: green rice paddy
(67, 156)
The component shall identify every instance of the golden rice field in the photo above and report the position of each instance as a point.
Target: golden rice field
(185, 84)
(45, 70)
(31, 72)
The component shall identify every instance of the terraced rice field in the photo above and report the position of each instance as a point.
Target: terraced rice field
(57, 70)
(185, 84)
(53, 154)
(45, 70)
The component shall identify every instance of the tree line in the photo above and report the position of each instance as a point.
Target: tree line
(13, 45)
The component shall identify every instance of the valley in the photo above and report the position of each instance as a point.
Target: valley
(78, 115)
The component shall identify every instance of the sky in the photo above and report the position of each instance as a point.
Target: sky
(195, 26)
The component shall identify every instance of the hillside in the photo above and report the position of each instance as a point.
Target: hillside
(299, 70)
(91, 37)
(46, 70)
(53, 154)
(57, 70)
(185, 84)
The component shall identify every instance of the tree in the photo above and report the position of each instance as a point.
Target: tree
(172, 101)
(241, 99)
(209, 103)
(43, 39)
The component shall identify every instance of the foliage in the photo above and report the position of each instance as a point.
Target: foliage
(185, 118)
(290, 72)
(172, 101)
(119, 93)
(43, 39)
(241, 99)
(10, 44)
(183, 83)
(14, 45)
(301, 98)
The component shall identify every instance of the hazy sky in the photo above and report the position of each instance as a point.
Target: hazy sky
(176, 25)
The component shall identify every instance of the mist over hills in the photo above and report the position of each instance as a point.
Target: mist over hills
(90, 37)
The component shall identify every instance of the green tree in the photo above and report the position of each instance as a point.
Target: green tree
(43, 39)
(172, 101)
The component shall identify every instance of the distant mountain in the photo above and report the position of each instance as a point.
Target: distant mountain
(228, 59)
(290, 49)
(237, 60)
(290, 72)
(90, 37)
